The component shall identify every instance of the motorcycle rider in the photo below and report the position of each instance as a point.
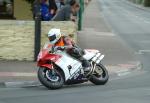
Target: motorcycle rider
(60, 42)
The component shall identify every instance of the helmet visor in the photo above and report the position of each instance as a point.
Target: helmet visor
(52, 38)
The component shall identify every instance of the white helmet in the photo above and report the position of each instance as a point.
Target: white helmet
(54, 35)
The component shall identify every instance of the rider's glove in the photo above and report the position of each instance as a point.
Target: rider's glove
(59, 48)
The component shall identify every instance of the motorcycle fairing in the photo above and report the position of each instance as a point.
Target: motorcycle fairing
(90, 53)
(66, 61)
(44, 57)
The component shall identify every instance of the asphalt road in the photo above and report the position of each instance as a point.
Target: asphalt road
(132, 25)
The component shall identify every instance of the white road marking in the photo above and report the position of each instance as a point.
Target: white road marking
(122, 71)
(147, 22)
(18, 74)
(105, 34)
(135, 73)
(123, 74)
(143, 51)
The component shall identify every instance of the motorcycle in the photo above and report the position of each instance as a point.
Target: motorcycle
(57, 68)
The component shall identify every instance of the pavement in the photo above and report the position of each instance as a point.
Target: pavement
(119, 58)
(18, 73)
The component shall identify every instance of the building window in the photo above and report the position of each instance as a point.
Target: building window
(6, 9)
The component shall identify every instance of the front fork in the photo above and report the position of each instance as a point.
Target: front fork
(93, 65)
(53, 71)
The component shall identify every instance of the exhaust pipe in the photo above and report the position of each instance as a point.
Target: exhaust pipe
(99, 59)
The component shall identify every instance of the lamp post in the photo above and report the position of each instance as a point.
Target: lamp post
(37, 39)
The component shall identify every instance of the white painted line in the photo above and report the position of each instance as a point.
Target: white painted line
(146, 22)
(25, 74)
(17, 74)
(133, 74)
(22, 83)
(105, 34)
(123, 73)
(143, 51)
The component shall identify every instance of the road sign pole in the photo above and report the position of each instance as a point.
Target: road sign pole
(37, 41)
(80, 15)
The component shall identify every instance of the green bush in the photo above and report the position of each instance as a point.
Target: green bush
(139, 1)
(146, 3)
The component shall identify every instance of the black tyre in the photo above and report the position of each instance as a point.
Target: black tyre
(52, 79)
(99, 79)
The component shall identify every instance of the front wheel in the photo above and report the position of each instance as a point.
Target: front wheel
(52, 79)
(100, 75)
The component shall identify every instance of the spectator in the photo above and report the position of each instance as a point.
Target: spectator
(53, 7)
(60, 4)
(46, 15)
(68, 12)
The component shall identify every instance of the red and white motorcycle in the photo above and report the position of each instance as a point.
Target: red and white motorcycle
(58, 68)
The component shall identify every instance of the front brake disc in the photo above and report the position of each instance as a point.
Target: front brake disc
(98, 71)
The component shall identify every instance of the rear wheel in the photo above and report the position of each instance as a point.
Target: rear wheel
(52, 79)
(100, 75)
